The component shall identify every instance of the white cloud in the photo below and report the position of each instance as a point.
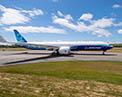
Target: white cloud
(116, 6)
(120, 31)
(101, 32)
(2, 8)
(31, 29)
(59, 13)
(67, 17)
(33, 12)
(54, 1)
(102, 23)
(119, 24)
(96, 27)
(11, 16)
(64, 22)
(86, 17)
(17, 16)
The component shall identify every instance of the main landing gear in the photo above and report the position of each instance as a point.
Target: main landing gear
(25, 52)
(104, 52)
(55, 53)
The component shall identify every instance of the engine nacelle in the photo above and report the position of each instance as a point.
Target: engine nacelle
(64, 50)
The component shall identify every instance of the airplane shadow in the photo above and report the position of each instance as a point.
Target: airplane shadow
(35, 59)
(28, 53)
(51, 56)
(32, 59)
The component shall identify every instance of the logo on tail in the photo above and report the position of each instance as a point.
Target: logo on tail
(19, 37)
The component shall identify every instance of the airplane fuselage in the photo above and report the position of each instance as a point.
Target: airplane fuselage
(74, 46)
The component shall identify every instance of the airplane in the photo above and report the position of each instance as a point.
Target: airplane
(61, 48)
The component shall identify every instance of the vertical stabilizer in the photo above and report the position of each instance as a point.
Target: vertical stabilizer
(19, 37)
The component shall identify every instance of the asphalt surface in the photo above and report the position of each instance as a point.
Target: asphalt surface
(20, 57)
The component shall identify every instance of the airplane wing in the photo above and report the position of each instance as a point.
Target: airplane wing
(47, 47)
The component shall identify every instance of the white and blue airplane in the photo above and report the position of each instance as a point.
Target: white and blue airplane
(61, 48)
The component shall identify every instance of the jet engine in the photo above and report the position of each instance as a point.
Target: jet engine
(64, 50)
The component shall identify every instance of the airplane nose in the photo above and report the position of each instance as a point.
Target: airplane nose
(110, 47)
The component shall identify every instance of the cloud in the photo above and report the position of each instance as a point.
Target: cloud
(55, 1)
(119, 24)
(101, 32)
(86, 17)
(96, 27)
(64, 22)
(59, 13)
(103, 23)
(12, 16)
(67, 17)
(120, 31)
(31, 29)
(116, 6)
(34, 12)
(17, 16)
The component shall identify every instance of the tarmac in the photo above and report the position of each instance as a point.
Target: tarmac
(22, 57)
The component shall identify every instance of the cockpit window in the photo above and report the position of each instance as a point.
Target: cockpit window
(111, 45)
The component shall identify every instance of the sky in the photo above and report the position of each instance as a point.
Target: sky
(62, 20)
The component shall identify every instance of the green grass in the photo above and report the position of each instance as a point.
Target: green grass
(12, 49)
(62, 79)
(23, 85)
(101, 71)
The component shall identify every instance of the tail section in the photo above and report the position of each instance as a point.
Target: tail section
(19, 37)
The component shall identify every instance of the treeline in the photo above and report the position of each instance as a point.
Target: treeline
(2, 46)
(117, 45)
